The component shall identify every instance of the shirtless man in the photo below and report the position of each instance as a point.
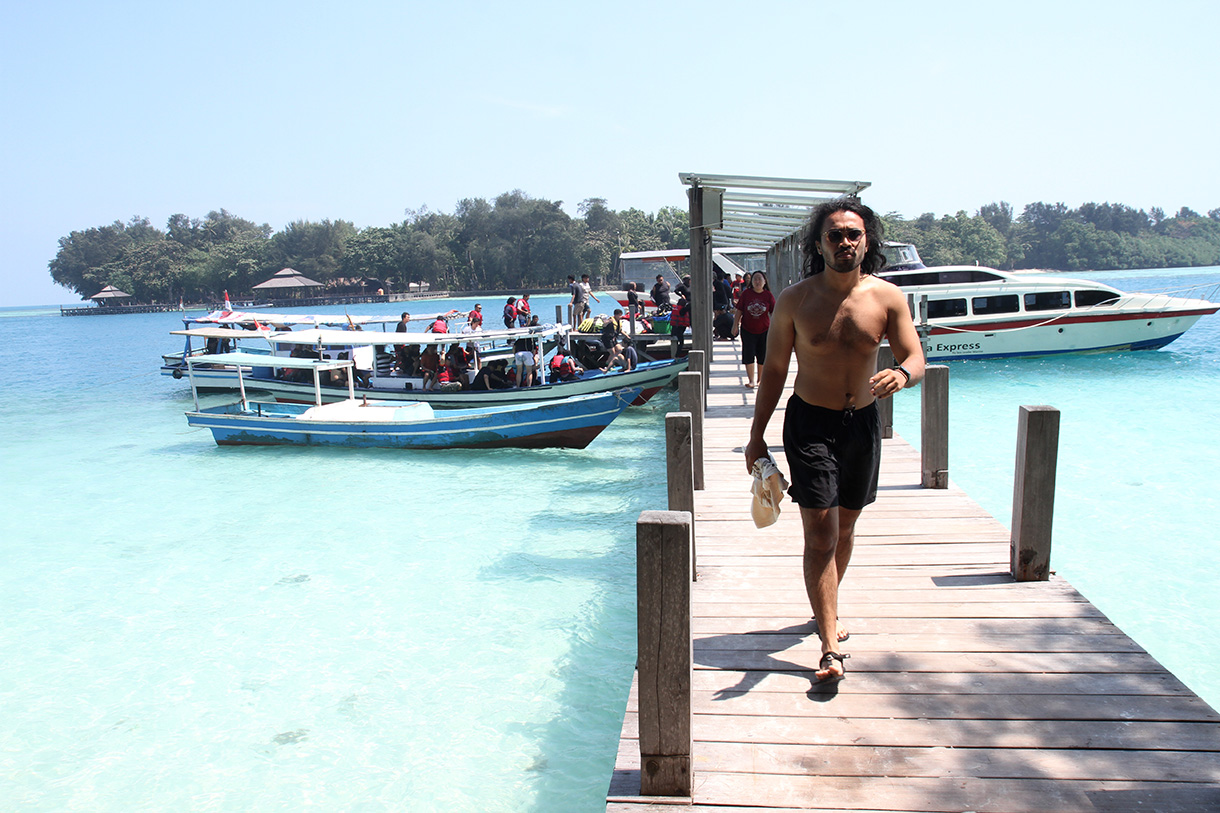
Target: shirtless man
(835, 320)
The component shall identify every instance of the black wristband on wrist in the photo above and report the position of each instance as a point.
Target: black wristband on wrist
(904, 371)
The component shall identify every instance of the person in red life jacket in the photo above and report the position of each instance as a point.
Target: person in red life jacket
(458, 364)
(475, 318)
(429, 366)
(752, 320)
(565, 368)
(510, 312)
(523, 311)
(679, 318)
(441, 325)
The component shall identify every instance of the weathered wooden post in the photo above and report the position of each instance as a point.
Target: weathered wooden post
(680, 474)
(934, 432)
(690, 399)
(885, 406)
(665, 651)
(697, 363)
(1033, 492)
(700, 273)
(559, 314)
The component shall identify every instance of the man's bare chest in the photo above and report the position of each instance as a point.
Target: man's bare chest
(850, 324)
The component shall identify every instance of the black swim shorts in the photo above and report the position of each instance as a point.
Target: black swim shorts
(834, 456)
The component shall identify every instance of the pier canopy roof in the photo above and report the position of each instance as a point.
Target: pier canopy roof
(109, 292)
(287, 278)
(761, 212)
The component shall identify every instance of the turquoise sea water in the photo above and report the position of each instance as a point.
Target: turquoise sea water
(189, 627)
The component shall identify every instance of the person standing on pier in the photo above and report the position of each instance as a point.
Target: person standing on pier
(835, 320)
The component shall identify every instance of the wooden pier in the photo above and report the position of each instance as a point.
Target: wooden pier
(966, 690)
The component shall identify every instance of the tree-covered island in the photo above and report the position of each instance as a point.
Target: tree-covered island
(518, 242)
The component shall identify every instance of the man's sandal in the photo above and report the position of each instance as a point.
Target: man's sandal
(828, 659)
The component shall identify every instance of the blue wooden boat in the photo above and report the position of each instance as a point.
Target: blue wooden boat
(565, 422)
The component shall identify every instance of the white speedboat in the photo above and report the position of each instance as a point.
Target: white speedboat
(973, 312)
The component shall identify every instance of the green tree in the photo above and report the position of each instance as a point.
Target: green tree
(314, 249)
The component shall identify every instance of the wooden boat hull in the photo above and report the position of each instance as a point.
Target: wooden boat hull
(562, 423)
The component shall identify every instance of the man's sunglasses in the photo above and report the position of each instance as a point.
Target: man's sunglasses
(837, 235)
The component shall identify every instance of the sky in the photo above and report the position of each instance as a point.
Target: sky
(288, 111)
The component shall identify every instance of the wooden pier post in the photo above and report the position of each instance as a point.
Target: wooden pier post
(559, 314)
(1033, 493)
(690, 399)
(680, 474)
(665, 652)
(885, 406)
(696, 362)
(934, 433)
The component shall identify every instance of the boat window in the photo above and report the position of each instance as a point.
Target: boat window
(955, 277)
(940, 308)
(967, 275)
(1008, 303)
(1087, 299)
(1048, 301)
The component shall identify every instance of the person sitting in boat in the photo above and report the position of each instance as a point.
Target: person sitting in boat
(510, 312)
(565, 368)
(458, 362)
(525, 361)
(300, 351)
(441, 325)
(523, 311)
(624, 354)
(429, 365)
(410, 361)
(493, 376)
(338, 378)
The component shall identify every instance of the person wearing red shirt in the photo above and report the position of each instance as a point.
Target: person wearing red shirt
(752, 320)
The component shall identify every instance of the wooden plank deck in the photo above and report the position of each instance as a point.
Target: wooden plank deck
(965, 690)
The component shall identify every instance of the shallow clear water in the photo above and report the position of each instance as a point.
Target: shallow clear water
(189, 627)
(200, 628)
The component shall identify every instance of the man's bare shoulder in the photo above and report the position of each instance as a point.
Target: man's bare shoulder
(795, 292)
(883, 289)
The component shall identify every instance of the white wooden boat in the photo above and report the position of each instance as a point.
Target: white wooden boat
(358, 422)
(373, 352)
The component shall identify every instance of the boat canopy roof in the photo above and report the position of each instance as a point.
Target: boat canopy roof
(261, 360)
(331, 338)
(220, 333)
(322, 319)
(328, 338)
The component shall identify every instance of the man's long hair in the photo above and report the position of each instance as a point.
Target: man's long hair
(874, 259)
